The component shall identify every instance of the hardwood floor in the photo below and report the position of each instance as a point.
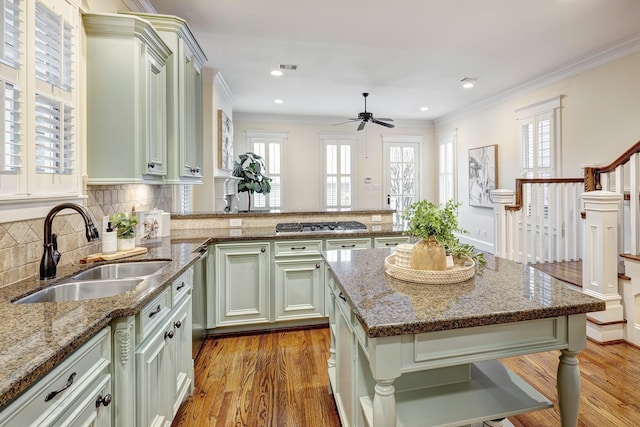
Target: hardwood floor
(280, 379)
(569, 271)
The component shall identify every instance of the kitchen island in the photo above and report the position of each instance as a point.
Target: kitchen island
(406, 354)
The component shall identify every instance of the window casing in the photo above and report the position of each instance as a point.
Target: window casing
(338, 171)
(269, 146)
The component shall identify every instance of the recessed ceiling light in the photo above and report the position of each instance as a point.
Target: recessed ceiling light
(468, 82)
(278, 101)
(276, 73)
(424, 108)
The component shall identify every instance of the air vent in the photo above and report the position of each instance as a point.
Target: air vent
(288, 67)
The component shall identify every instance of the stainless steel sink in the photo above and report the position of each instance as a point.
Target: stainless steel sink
(124, 270)
(81, 290)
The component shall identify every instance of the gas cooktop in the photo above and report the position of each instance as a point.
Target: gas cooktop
(319, 226)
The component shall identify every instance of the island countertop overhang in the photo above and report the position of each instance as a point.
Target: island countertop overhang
(503, 292)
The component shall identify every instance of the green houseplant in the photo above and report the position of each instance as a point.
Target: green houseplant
(125, 226)
(250, 169)
(436, 225)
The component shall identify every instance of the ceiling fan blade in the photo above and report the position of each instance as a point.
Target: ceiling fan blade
(386, 120)
(389, 125)
(361, 126)
(348, 121)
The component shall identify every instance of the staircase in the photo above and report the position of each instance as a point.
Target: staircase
(590, 221)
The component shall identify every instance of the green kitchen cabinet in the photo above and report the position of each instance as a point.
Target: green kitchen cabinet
(126, 100)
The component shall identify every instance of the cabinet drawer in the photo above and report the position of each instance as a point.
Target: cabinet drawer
(181, 287)
(359, 243)
(152, 314)
(50, 397)
(298, 247)
(389, 242)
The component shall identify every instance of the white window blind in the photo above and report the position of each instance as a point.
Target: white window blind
(338, 173)
(446, 166)
(54, 136)
(183, 198)
(269, 146)
(53, 48)
(12, 156)
(10, 44)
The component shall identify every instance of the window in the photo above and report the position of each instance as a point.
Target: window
(338, 171)
(182, 198)
(269, 146)
(401, 174)
(540, 146)
(39, 57)
(446, 166)
(540, 139)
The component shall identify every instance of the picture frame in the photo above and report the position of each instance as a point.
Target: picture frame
(225, 141)
(483, 175)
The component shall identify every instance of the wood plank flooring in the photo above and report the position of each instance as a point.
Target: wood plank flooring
(569, 271)
(280, 379)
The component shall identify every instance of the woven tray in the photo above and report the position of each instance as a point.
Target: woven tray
(463, 269)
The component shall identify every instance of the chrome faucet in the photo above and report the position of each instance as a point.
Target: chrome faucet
(51, 256)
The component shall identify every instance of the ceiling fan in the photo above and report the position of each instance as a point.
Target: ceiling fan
(366, 116)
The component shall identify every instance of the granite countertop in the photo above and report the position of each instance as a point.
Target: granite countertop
(502, 292)
(279, 213)
(37, 337)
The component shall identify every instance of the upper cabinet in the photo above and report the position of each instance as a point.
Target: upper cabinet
(184, 98)
(126, 100)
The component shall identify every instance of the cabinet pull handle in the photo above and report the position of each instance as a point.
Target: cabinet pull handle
(156, 311)
(299, 248)
(53, 394)
(318, 265)
(168, 334)
(263, 249)
(342, 297)
(104, 401)
(178, 324)
(349, 246)
(388, 199)
(180, 286)
(151, 165)
(391, 244)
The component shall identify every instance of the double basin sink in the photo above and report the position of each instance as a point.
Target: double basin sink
(97, 282)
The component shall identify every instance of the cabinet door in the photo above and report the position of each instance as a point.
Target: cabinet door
(344, 366)
(192, 143)
(242, 283)
(181, 343)
(299, 289)
(156, 111)
(154, 374)
(390, 241)
(92, 409)
(355, 243)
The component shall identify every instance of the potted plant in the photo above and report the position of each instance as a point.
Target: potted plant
(435, 225)
(125, 226)
(249, 168)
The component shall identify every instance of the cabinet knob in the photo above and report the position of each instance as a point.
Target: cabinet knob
(178, 324)
(104, 401)
(168, 334)
(318, 265)
(263, 249)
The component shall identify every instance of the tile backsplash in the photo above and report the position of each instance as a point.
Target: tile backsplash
(21, 241)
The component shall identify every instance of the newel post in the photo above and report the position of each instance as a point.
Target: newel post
(600, 263)
(502, 237)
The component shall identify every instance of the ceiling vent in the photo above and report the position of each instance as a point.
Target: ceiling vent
(288, 67)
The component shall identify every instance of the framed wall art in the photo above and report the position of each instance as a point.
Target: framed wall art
(483, 175)
(225, 141)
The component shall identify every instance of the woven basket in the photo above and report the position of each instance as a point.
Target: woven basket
(463, 269)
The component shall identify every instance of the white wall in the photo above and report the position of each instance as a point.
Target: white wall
(303, 173)
(600, 120)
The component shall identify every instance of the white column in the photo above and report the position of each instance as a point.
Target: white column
(600, 260)
(502, 237)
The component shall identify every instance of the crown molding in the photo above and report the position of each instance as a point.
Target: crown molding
(627, 46)
(139, 6)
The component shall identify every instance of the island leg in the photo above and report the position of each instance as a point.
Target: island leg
(568, 379)
(384, 404)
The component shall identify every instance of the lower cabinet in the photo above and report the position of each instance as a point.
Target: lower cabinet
(151, 385)
(242, 277)
(76, 392)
